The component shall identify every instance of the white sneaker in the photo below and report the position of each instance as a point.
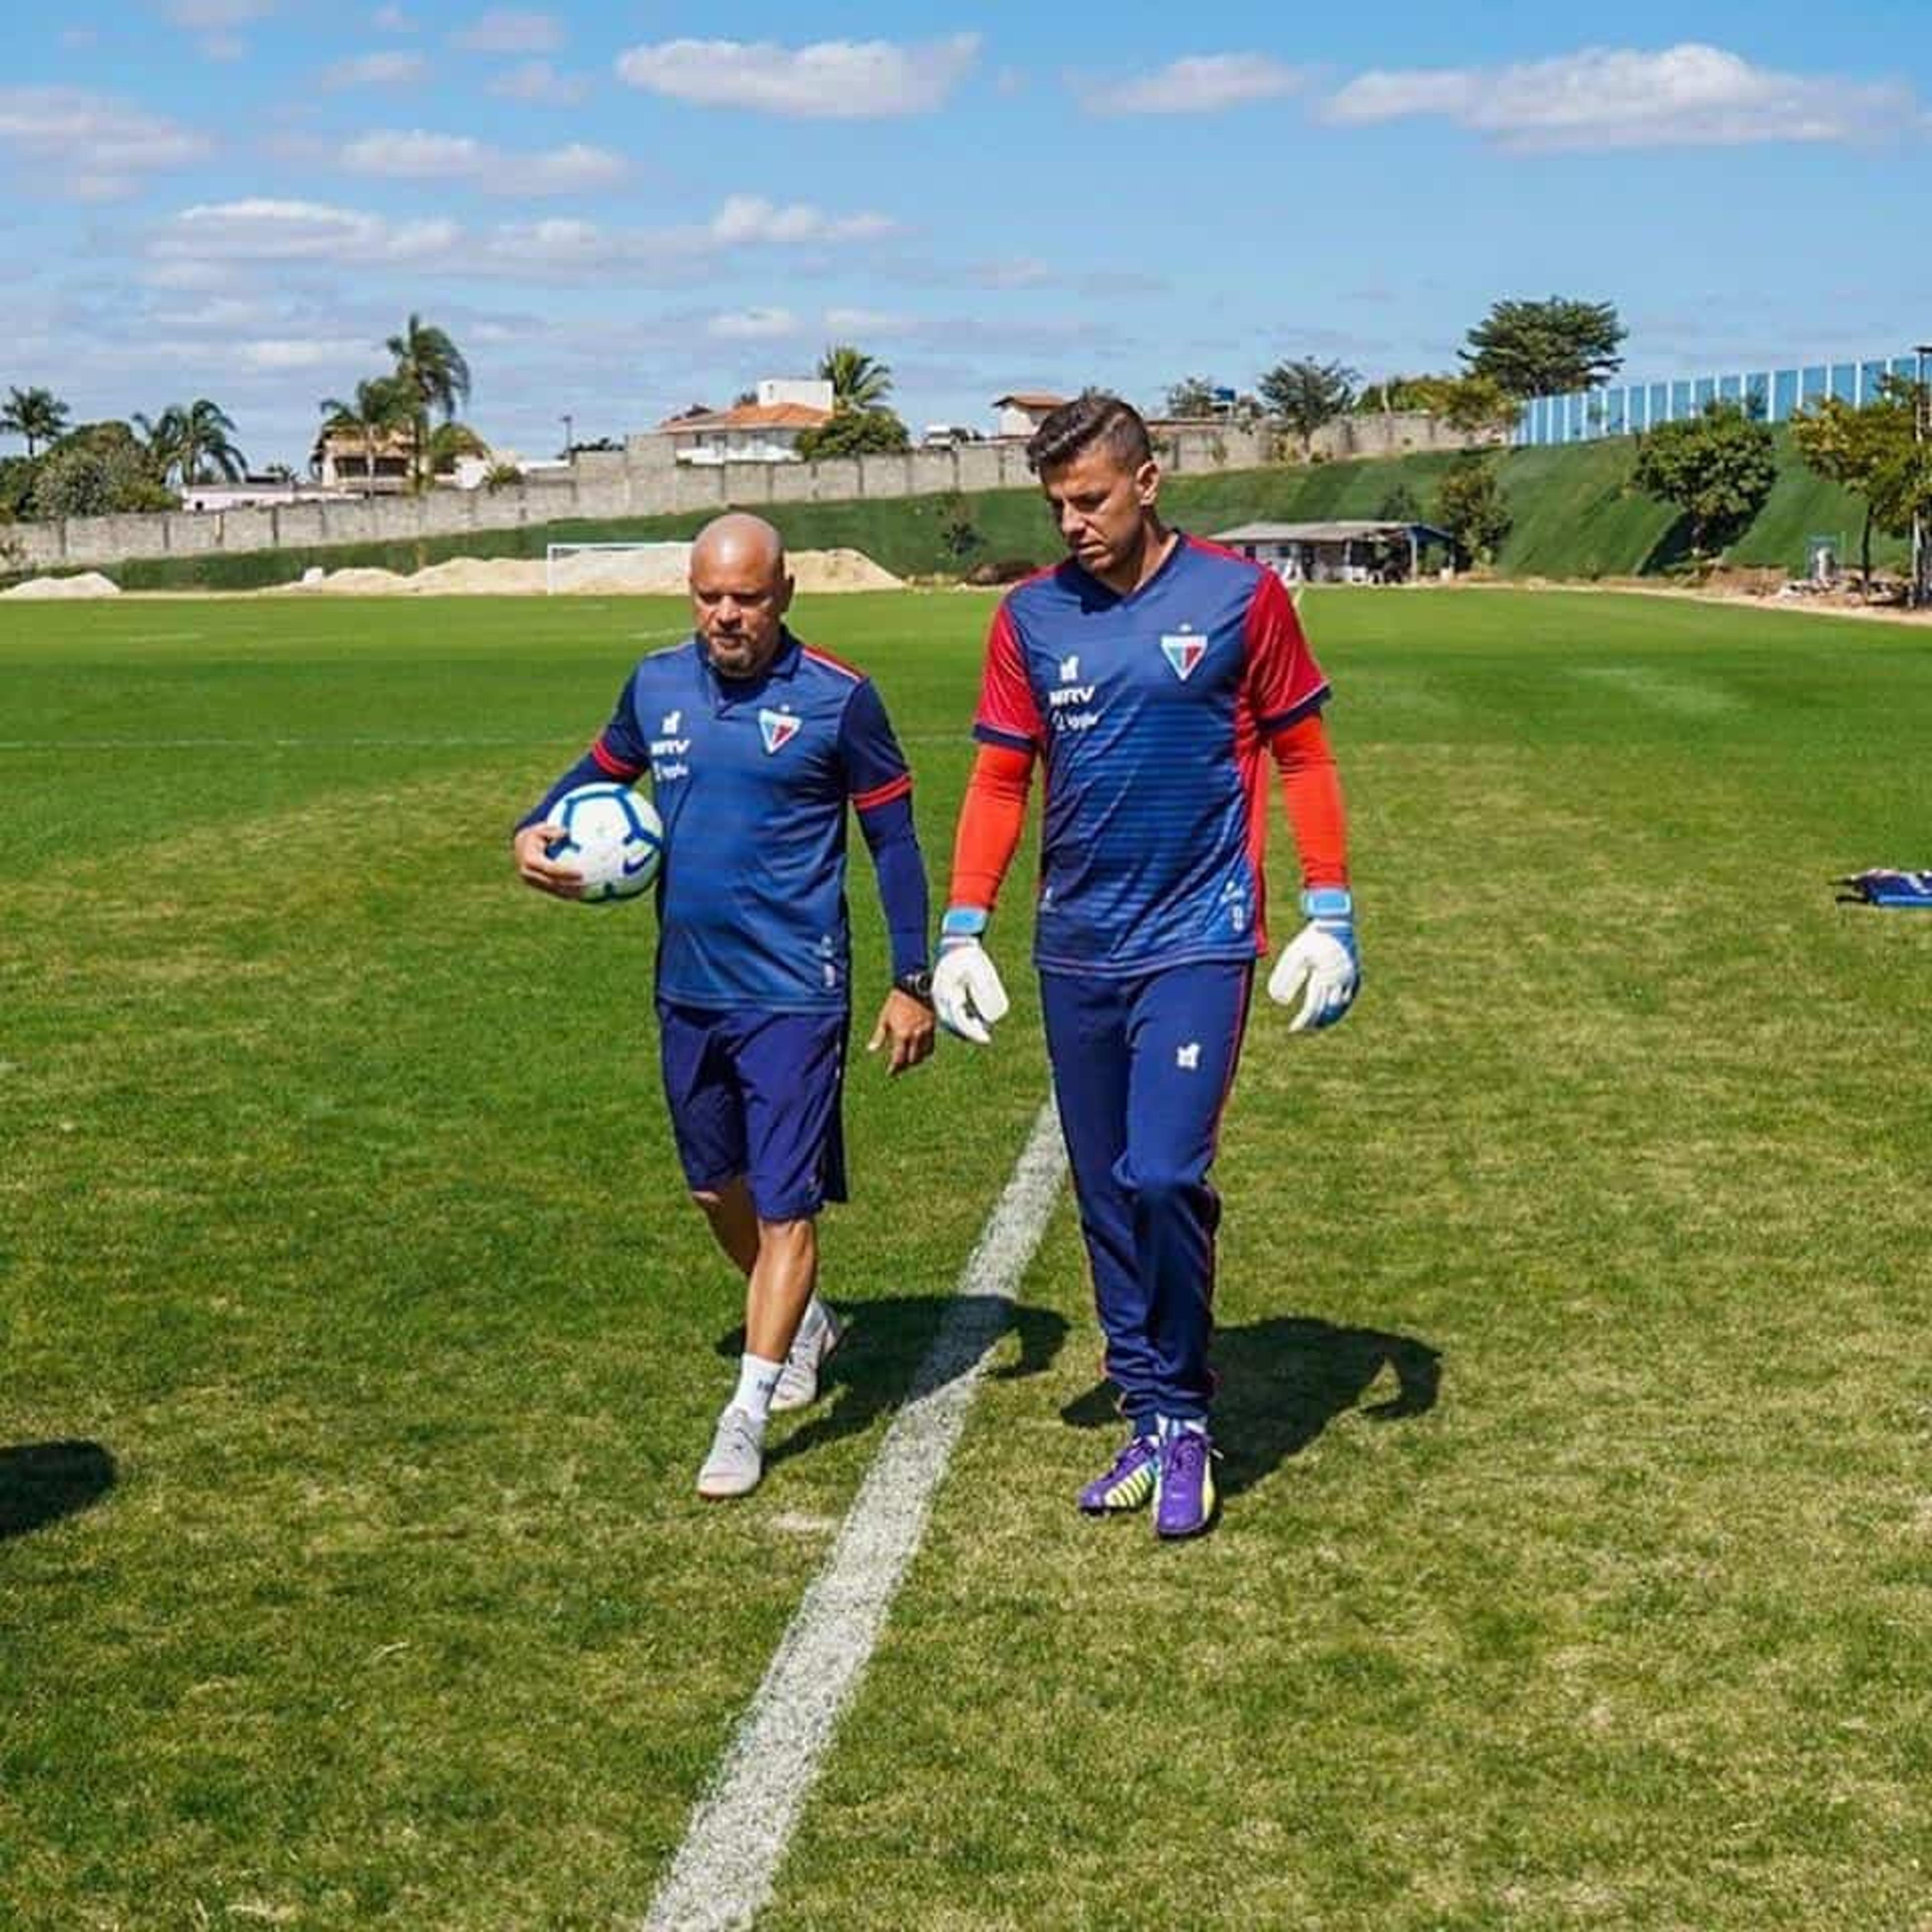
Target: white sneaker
(812, 1348)
(737, 1458)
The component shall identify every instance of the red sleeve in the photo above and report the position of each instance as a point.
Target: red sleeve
(1311, 791)
(990, 820)
(1284, 681)
(1008, 714)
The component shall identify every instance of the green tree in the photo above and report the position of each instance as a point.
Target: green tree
(433, 374)
(1191, 398)
(99, 468)
(38, 415)
(1475, 403)
(1718, 468)
(1305, 394)
(859, 382)
(73, 483)
(194, 441)
(1546, 348)
(16, 486)
(380, 408)
(1866, 451)
(1469, 505)
(1902, 496)
(450, 441)
(873, 432)
(1401, 505)
(959, 536)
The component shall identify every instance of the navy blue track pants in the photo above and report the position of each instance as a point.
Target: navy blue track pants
(1141, 1068)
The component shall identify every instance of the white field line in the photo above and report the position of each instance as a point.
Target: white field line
(726, 1869)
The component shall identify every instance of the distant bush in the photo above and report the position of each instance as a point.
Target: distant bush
(1001, 570)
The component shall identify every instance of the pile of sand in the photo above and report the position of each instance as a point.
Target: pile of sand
(818, 570)
(88, 583)
(657, 571)
(477, 576)
(362, 583)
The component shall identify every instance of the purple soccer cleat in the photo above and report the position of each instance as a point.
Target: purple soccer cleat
(1128, 1485)
(1184, 1498)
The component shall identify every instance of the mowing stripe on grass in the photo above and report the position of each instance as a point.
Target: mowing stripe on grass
(724, 1871)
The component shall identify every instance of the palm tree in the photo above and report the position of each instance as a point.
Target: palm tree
(448, 441)
(380, 407)
(205, 431)
(859, 381)
(191, 439)
(163, 435)
(430, 368)
(38, 415)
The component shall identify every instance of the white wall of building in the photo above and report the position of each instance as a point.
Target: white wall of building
(808, 393)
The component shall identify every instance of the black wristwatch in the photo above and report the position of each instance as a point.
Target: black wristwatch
(915, 985)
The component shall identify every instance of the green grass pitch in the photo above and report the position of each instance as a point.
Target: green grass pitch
(1578, 1535)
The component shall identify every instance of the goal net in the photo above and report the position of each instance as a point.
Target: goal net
(635, 569)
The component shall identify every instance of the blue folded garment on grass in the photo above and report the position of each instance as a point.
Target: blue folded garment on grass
(1881, 887)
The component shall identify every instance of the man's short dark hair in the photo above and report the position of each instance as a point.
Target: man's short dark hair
(1093, 419)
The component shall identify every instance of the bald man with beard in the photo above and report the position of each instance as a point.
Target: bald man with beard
(757, 745)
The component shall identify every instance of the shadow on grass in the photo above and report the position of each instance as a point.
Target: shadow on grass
(1283, 1381)
(41, 1482)
(868, 1375)
(1672, 549)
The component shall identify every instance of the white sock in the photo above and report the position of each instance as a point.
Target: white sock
(1172, 1425)
(812, 1320)
(757, 1380)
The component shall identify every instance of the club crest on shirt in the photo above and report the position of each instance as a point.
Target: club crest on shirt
(1183, 650)
(778, 728)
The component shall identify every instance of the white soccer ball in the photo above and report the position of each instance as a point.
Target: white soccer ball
(610, 834)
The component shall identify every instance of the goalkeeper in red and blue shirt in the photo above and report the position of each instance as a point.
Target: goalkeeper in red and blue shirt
(1155, 677)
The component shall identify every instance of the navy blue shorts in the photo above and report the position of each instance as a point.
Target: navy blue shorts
(758, 1094)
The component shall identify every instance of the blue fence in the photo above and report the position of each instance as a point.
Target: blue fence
(1630, 408)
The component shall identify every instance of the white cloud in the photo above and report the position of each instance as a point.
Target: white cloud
(538, 81)
(750, 217)
(211, 249)
(415, 154)
(850, 321)
(203, 237)
(753, 324)
(214, 16)
(275, 353)
(1197, 84)
(392, 20)
(831, 79)
(506, 30)
(378, 70)
(216, 22)
(92, 146)
(1691, 95)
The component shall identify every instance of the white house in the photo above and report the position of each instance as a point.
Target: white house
(377, 465)
(1340, 551)
(764, 431)
(1020, 415)
(251, 492)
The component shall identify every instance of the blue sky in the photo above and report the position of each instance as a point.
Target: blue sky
(617, 210)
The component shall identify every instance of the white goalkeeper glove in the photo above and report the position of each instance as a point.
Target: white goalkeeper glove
(1321, 966)
(966, 994)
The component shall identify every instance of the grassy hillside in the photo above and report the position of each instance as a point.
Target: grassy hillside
(1575, 516)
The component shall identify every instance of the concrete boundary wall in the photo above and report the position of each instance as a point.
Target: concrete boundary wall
(642, 480)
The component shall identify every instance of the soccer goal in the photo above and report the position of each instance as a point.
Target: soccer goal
(638, 569)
